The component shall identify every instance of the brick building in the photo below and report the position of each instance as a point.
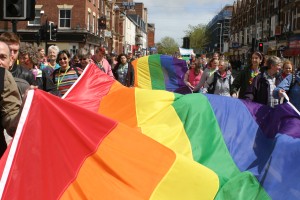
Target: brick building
(273, 23)
(77, 22)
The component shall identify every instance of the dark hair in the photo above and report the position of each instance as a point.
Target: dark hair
(261, 56)
(62, 52)
(119, 57)
(31, 51)
(9, 37)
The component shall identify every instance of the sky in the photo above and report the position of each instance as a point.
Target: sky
(172, 17)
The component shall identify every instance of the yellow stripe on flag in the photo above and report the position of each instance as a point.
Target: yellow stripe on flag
(143, 73)
(201, 179)
(160, 121)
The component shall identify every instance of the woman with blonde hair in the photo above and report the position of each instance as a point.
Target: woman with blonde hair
(220, 82)
(287, 69)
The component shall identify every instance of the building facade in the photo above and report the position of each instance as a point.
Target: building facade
(274, 24)
(78, 25)
(219, 29)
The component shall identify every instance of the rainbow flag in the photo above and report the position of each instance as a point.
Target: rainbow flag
(253, 149)
(160, 72)
(63, 151)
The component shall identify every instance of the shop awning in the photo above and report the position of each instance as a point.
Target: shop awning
(291, 52)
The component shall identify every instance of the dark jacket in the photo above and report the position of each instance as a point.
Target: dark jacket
(10, 102)
(241, 82)
(20, 72)
(129, 76)
(45, 83)
(258, 91)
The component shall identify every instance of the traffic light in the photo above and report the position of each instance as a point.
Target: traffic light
(20, 10)
(53, 31)
(14, 9)
(102, 23)
(186, 42)
(261, 47)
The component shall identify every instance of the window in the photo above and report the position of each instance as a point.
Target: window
(88, 22)
(93, 26)
(64, 18)
(102, 7)
(96, 26)
(37, 19)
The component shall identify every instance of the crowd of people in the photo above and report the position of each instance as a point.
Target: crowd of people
(24, 66)
(266, 80)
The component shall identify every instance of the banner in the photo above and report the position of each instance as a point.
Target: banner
(63, 151)
(244, 143)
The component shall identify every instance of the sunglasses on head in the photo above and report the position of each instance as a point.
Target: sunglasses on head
(64, 58)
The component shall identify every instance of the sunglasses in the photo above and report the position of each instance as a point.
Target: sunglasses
(83, 59)
(64, 58)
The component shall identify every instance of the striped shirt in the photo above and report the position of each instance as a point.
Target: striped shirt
(65, 79)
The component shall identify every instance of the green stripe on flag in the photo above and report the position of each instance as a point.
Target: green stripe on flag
(156, 73)
(209, 148)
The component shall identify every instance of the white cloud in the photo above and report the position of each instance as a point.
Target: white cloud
(172, 17)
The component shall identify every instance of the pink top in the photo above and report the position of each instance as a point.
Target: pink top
(193, 79)
(105, 64)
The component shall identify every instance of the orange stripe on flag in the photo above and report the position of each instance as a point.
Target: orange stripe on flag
(119, 170)
(127, 97)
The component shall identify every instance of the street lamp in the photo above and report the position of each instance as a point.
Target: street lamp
(221, 27)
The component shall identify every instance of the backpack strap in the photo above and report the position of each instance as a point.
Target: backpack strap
(212, 86)
(215, 80)
(293, 82)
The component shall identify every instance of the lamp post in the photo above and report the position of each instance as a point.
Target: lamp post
(221, 27)
(44, 29)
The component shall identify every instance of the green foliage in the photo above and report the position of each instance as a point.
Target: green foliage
(199, 37)
(167, 45)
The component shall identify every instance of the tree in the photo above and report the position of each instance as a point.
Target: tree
(198, 37)
(167, 45)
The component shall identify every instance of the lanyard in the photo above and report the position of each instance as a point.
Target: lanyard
(59, 80)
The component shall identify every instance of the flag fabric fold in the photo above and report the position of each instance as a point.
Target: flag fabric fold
(224, 134)
(160, 72)
(78, 154)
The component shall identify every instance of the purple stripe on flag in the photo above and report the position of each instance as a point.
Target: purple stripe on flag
(284, 119)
